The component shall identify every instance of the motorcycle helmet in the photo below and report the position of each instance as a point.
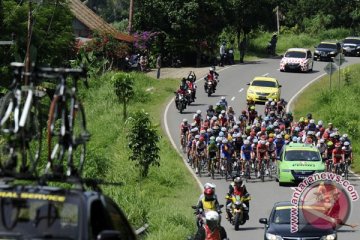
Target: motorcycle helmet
(185, 120)
(198, 112)
(222, 98)
(212, 219)
(211, 106)
(238, 181)
(209, 192)
(211, 69)
(346, 143)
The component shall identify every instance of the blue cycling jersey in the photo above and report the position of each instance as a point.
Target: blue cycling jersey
(246, 152)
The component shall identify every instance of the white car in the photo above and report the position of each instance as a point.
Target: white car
(297, 59)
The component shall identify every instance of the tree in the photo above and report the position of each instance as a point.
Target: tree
(123, 84)
(143, 140)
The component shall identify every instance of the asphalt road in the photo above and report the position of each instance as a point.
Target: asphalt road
(233, 86)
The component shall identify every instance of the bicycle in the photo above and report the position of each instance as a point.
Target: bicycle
(183, 142)
(262, 170)
(66, 131)
(247, 171)
(21, 125)
(346, 168)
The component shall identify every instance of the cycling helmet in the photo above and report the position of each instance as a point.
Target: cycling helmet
(276, 124)
(301, 119)
(262, 142)
(272, 103)
(223, 111)
(266, 119)
(209, 130)
(342, 139)
(202, 131)
(212, 138)
(332, 135)
(246, 142)
(193, 124)
(185, 120)
(201, 139)
(234, 135)
(197, 136)
(255, 140)
(267, 103)
(278, 136)
(287, 136)
(214, 118)
(252, 108)
(312, 121)
(218, 139)
(224, 140)
(322, 140)
(297, 129)
(212, 219)
(223, 129)
(345, 135)
(235, 127)
(343, 148)
(330, 143)
(346, 143)
(270, 99)
(271, 135)
(198, 111)
(216, 127)
(294, 139)
(271, 127)
(221, 134)
(222, 98)
(320, 123)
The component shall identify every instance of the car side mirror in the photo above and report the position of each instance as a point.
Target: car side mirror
(109, 235)
(248, 84)
(280, 86)
(263, 220)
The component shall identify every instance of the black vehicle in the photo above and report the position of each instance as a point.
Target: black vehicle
(44, 212)
(209, 86)
(326, 51)
(278, 226)
(351, 46)
(180, 102)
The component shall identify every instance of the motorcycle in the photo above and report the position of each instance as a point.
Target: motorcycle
(133, 63)
(238, 211)
(180, 102)
(200, 215)
(209, 86)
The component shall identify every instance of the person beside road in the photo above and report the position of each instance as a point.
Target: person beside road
(222, 54)
(158, 66)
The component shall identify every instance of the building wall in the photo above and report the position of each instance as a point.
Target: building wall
(80, 30)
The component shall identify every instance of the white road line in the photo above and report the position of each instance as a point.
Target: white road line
(241, 90)
(266, 74)
(233, 98)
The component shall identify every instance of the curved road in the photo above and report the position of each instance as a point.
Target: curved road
(232, 84)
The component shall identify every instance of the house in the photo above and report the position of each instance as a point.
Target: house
(86, 22)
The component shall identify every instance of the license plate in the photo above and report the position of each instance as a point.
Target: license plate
(262, 98)
(301, 177)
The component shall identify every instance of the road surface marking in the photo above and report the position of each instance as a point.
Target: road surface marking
(241, 90)
(266, 74)
(233, 98)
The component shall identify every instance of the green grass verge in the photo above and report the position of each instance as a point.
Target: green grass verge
(338, 105)
(164, 198)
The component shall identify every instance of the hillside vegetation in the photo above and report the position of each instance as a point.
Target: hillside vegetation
(163, 199)
(338, 105)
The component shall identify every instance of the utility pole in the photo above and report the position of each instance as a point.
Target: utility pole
(277, 20)
(131, 11)
(29, 33)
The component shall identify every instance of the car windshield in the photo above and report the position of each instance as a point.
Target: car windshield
(39, 218)
(263, 84)
(327, 45)
(295, 54)
(302, 155)
(281, 216)
(352, 41)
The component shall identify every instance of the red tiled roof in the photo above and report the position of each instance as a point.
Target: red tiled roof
(94, 22)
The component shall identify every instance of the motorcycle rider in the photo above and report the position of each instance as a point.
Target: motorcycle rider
(223, 103)
(180, 91)
(212, 76)
(273, 42)
(212, 230)
(208, 201)
(237, 188)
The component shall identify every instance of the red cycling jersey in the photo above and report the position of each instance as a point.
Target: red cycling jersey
(262, 150)
(337, 155)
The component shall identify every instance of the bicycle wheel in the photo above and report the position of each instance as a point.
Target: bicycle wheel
(212, 165)
(346, 170)
(199, 166)
(67, 136)
(262, 171)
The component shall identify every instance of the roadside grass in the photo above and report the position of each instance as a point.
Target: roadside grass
(163, 199)
(338, 105)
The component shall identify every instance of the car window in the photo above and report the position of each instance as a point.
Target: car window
(281, 216)
(119, 220)
(99, 219)
(33, 217)
(259, 83)
(302, 155)
(352, 41)
(327, 45)
(309, 55)
(295, 54)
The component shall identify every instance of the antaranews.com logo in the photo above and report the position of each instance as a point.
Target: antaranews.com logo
(322, 200)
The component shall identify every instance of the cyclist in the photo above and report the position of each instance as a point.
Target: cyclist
(262, 155)
(348, 151)
(223, 103)
(272, 151)
(226, 154)
(210, 112)
(200, 150)
(197, 118)
(279, 142)
(247, 153)
(212, 153)
(322, 148)
(212, 230)
(338, 157)
(252, 115)
(184, 131)
(280, 106)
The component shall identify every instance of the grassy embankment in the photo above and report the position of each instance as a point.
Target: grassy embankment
(338, 105)
(164, 198)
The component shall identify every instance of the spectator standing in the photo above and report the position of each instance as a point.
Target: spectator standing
(222, 54)
(242, 47)
(158, 66)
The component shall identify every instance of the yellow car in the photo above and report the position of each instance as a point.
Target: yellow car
(262, 88)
